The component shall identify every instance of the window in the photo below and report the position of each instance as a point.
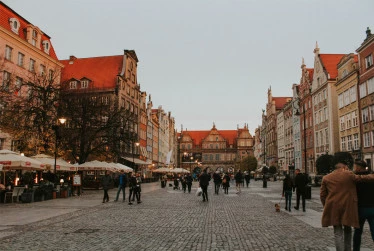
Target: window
(369, 61)
(32, 65)
(6, 81)
(42, 70)
(46, 46)
(34, 37)
(217, 156)
(370, 84)
(20, 60)
(346, 98)
(367, 139)
(73, 84)
(340, 101)
(327, 136)
(8, 52)
(105, 100)
(363, 90)
(365, 115)
(317, 118)
(84, 84)
(356, 141)
(354, 119)
(345, 73)
(352, 94)
(317, 139)
(2, 142)
(324, 94)
(14, 24)
(371, 112)
(51, 74)
(326, 113)
(348, 120)
(343, 146)
(18, 86)
(349, 142)
(342, 123)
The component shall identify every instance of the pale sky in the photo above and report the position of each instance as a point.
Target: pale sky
(206, 61)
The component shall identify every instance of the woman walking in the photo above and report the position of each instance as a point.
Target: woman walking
(288, 186)
(226, 183)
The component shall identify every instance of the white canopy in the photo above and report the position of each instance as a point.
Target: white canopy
(179, 170)
(103, 166)
(162, 170)
(12, 161)
(125, 168)
(49, 161)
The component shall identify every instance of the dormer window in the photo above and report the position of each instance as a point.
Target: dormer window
(73, 84)
(84, 84)
(46, 46)
(34, 37)
(14, 25)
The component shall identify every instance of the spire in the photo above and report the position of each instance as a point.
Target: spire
(368, 33)
(302, 63)
(214, 126)
(316, 50)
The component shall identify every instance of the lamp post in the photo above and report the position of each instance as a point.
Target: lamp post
(56, 128)
(191, 158)
(136, 144)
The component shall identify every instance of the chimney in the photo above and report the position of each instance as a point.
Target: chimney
(72, 59)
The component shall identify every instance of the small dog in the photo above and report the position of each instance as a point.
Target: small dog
(277, 207)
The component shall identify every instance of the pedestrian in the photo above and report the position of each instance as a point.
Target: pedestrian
(238, 180)
(189, 182)
(106, 181)
(122, 185)
(226, 183)
(137, 189)
(204, 179)
(132, 185)
(338, 195)
(300, 184)
(217, 182)
(184, 183)
(365, 204)
(288, 187)
(247, 178)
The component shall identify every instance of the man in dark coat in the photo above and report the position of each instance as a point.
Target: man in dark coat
(189, 182)
(106, 181)
(247, 178)
(217, 182)
(300, 185)
(204, 183)
(365, 204)
(132, 185)
(238, 180)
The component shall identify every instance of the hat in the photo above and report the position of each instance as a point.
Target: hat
(344, 158)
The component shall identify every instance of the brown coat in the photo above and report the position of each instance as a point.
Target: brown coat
(339, 198)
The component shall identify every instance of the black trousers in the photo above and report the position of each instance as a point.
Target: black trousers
(131, 193)
(106, 195)
(298, 195)
(205, 192)
(216, 187)
(189, 187)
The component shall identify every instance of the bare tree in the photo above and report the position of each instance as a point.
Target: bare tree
(96, 127)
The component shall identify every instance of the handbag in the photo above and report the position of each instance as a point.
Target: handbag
(199, 191)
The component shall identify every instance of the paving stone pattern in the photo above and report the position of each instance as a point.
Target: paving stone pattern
(169, 220)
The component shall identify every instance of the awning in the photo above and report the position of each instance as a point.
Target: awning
(138, 161)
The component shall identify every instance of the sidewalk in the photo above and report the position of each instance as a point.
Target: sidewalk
(169, 220)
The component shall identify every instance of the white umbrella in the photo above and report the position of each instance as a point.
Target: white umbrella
(125, 168)
(97, 165)
(12, 161)
(49, 161)
(162, 170)
(179, 170)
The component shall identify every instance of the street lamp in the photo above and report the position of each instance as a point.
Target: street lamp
(56, 128)
(191, 162)
(133, 154)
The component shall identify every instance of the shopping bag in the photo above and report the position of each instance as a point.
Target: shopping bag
(199, 191)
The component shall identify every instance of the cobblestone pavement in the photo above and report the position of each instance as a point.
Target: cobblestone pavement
(168, 219)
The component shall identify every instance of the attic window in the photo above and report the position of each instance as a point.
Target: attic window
(34, 37)
(84, 84)
(14, 25)
(73, 84)
(46, 46)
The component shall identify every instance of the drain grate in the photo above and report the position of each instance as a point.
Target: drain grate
(86, 230)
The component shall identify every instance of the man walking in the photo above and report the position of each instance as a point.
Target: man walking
(132, 185)
(247, 178)
(217, 182)
(365, 204)
(204, 183)
(106, 181)
(122, 185)
(300, 185)
(238, 180)
(189, 182)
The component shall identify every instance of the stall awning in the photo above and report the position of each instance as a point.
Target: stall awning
(138, 161)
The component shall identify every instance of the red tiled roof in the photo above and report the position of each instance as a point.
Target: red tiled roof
(6, 13)
(356, 58)
(281, 101)
(198, 136)
(102, 71)
(310, 71)
(330, 62)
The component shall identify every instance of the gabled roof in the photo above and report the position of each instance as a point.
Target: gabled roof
(330, 62)
(281, 101)
(310, 72)
(198, 136)
(7, 13)
(101, 70)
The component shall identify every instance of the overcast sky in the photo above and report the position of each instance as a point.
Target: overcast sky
(205, 61)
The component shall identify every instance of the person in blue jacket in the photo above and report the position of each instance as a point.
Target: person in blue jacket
(122, 185)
